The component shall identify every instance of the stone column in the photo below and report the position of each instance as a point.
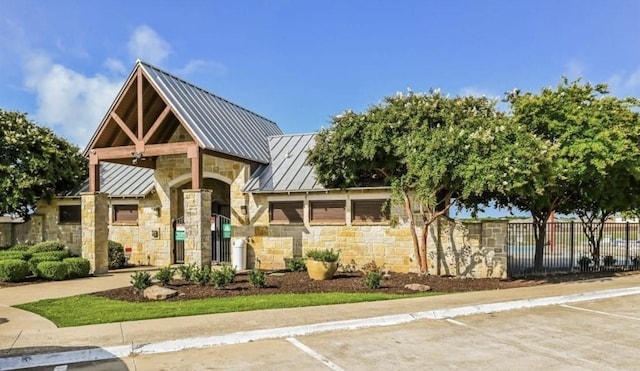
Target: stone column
(197, 220)
(95, 231)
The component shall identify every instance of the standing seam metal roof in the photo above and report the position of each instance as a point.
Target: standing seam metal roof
(287, 171)
(217, 124)
(119, 180)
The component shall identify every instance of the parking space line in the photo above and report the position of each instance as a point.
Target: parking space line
(600, 312)
(61, 368)
(315, 354)
(456, 322)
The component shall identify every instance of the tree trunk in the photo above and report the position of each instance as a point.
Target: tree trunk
(412, 228)
(540, 233)
(424, 267)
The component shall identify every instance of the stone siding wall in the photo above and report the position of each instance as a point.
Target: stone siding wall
(44, 226)
(470, 250)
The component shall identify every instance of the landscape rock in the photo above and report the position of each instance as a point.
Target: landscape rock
(156, 292)
(417, 287)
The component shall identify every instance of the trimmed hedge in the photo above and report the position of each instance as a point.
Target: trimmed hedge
(20, 247)
(9, 254)
(77, 267)
(117, 259)
(53, 270)
(47, 246)
(46, 256)
(13, 270)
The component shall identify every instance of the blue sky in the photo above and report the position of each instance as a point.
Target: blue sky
(300, 62)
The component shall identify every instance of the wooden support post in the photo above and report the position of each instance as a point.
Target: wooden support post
(195, 154)
(94, 173)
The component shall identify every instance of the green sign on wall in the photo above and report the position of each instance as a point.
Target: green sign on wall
(226, 231)
(180, 235)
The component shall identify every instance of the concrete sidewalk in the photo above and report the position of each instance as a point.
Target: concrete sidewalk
(24, 333)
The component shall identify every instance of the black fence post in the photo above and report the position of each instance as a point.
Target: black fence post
(626, 237)
(572, 254)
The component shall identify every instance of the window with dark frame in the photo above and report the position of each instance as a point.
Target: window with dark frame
(125, 213)
(69, 214)
(286, 212)
(370, 211)
(327, 211)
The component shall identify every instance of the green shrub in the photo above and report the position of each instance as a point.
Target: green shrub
(117, 259)
(53, 270)
(296, 264)
(202, 275)
(164, 275)
(10, 254)
(46, 256)
(257, 278)
(223, 276)
(13, 270)
(46, 246)
(373, 279)
(323, 255)
(78, 267)
(20, 247)
(140, 281)
(186, 271)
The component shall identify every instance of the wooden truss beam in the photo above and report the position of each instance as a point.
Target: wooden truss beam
(152, 150)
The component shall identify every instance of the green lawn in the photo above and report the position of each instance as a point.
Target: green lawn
(88, 309)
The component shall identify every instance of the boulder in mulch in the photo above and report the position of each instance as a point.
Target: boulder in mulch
(156, 292)
(417, 287)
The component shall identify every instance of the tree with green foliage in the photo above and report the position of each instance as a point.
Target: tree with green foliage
(589, 164)
(432, 150)
(35, 164)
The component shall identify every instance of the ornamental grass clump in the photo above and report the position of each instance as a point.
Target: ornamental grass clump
(140, 281)
(223, 276)
(164, 275)
(323, 255)
(257, 278)
(372, 275)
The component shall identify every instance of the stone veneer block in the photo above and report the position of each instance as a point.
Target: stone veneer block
(197, 220)
(95, 231)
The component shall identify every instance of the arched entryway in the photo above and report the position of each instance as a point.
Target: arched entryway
(220, 220)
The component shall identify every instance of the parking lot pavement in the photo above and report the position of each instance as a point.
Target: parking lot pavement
(596, 335)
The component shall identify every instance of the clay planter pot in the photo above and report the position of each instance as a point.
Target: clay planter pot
(318, 270)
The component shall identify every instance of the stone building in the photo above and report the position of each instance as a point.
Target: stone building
(178, 174)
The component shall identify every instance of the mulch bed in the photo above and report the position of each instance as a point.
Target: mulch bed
(300, 283)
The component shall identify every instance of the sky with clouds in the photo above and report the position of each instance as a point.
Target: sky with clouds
(300, 62)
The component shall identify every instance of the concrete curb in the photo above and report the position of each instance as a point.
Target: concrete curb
(108, 353)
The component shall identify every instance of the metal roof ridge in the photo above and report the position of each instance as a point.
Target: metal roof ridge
(203, 90)
(291, 135)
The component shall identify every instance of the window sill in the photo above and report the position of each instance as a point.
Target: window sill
(125, 224)
(285, 223)
(69, 223)
(361, 224)
(321, 224)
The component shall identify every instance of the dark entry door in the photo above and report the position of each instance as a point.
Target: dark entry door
(220, 238)
(178, 240)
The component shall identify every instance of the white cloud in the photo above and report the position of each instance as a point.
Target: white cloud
(625, 84)
(147, 45)
(115, 66)
(575, 69)
(70, 102)
(196, 65)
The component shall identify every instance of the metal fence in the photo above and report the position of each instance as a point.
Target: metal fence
(567, 249)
